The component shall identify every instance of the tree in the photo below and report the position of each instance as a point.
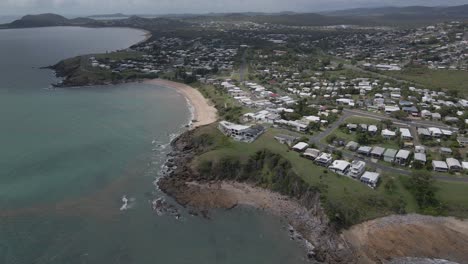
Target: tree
(401, 115)
(422, 187)
(362, 138)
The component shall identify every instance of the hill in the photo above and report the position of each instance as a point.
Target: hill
(409, 12)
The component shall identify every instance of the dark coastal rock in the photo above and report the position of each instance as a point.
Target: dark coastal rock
(325, 244)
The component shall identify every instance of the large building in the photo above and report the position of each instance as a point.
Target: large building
(241, 132)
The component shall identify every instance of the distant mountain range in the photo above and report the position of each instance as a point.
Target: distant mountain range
(393, 16)
(52, 20)
(460, 12)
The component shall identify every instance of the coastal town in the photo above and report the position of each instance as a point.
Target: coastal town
(216, 132)
(355, 122)
(368, 120)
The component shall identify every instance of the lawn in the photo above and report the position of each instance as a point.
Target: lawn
(338, 188)
(362, 120)
(455, 196)
(435, 79)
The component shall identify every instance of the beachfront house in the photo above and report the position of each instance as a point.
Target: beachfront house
(357, 168)
(370, 178)
(241, 133)
(311, 153)
(300, 147)
(340, 167)
(325, 159)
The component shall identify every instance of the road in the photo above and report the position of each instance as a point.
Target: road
(243, 66)
(317, 141)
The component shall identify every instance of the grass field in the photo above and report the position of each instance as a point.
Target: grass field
(350, 192)
(340, 189)
(435, 79)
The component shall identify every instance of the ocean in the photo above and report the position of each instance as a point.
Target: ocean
(68, 156)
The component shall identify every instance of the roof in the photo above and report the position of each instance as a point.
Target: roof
(312, 152)
(301, 146)
(387, 132)
(420, 157)
(364, 149)
(403, 154)
(451, 162)
(340, 165)
(370, 176)
(390, 153)
(405, 132)
(439, 164)
(378, 151)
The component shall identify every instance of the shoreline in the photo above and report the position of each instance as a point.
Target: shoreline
(203, 112)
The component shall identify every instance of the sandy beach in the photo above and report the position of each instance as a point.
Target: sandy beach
(204, 112)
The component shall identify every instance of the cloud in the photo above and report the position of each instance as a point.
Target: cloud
(197, 6)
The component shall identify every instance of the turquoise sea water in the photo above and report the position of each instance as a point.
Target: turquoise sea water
(67, 156)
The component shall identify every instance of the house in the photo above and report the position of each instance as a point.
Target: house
(424, 133)
(445, 151)
(435, 132)
(406, 134)
(377, 152)
(453, 164)
(390, 109)
(440, 166)
(389, 155)
(364, 150)
(286, 139)
(402, 157)
(324, 159)
(352, 127)
(300, 147)
(372, 129)
(463, 141)
(436, 116)
(388, 134)
(419, 149)
(311, 153)
(353, 146)
(240, 132)
(420, 157)
(370, 178)
(340, 167)
(357, 168)
(465, 165)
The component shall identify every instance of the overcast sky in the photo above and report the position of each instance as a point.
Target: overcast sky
(19, 7)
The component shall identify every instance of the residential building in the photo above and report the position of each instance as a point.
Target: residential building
(402, 157)
(357, 168)
(377, 152)
(300, 147)
(389, 155)
(364, 150)
(325, 159)
(440, 166)
(311, 153)
(453, 164)
(420, 157)
(370, 178)
(241, 132)
(340, 167)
